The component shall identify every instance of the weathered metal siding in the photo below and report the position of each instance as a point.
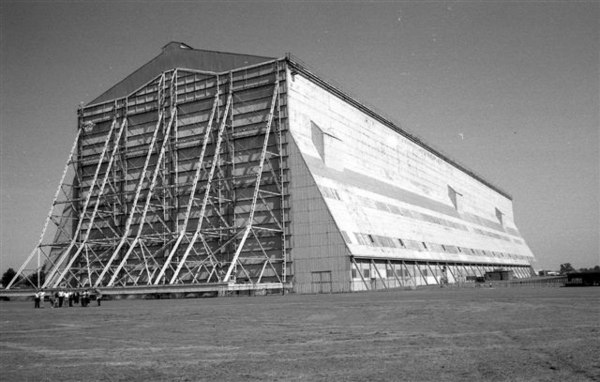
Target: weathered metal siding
(390, 197)
(317, 245)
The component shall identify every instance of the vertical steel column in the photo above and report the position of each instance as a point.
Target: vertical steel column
(228, 211)
(282, 182)
(39, 270)
(174, 157)
(257, 186)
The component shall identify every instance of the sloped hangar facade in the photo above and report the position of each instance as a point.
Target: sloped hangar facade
(211, 171)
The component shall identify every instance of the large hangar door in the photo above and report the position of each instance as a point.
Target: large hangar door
(321, 282)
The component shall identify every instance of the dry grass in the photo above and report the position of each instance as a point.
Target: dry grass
(477, 334)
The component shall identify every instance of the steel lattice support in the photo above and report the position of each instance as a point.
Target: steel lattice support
(257, 189)
(138, 190)
(96, 205)
(83, 212)
(180, 182)
(207, 190)
(62, 194)
(199, 166)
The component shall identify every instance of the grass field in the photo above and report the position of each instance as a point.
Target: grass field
(450, 334)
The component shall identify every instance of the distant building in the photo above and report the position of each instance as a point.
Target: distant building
(212, 171)
(548, 273)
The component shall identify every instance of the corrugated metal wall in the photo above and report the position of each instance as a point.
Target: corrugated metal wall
(317, 244)
(392, 199)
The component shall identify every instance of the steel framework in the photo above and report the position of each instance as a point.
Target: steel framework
(183, 186)
(182, 182)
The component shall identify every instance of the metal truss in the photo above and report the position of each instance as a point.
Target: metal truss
(180, 183)
(58, 214)
(191, 200)
(83, 245)
(207, 193)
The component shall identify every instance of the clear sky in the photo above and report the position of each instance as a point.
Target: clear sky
(509, 89)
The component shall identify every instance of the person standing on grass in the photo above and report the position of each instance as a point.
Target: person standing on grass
(61, 298)
(36, 300)
(98, 297)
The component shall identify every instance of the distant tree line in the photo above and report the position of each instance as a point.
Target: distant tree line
(594, 269)
(30, 281)
(568, 268)
(8, 276)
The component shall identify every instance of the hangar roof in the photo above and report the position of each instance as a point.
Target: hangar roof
(179, 55)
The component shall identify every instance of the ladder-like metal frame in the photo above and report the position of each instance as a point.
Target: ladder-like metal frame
(138, 190)
(211, 174)
(136, 240)
(257, 189)
(105, 250)
(192, 198)
(96, 206)
(83, 212)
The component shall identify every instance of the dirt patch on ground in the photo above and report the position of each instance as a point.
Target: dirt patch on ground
(475, 334)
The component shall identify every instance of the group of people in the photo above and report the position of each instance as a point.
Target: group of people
(61, 298)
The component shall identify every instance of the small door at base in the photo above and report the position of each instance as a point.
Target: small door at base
(321, 282)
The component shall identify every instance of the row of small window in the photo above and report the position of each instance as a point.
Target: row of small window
(385, 207)
(482, 221)
(389, 273)
(388, 242)
(491, 234)
(331, 193)
(424, 270)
